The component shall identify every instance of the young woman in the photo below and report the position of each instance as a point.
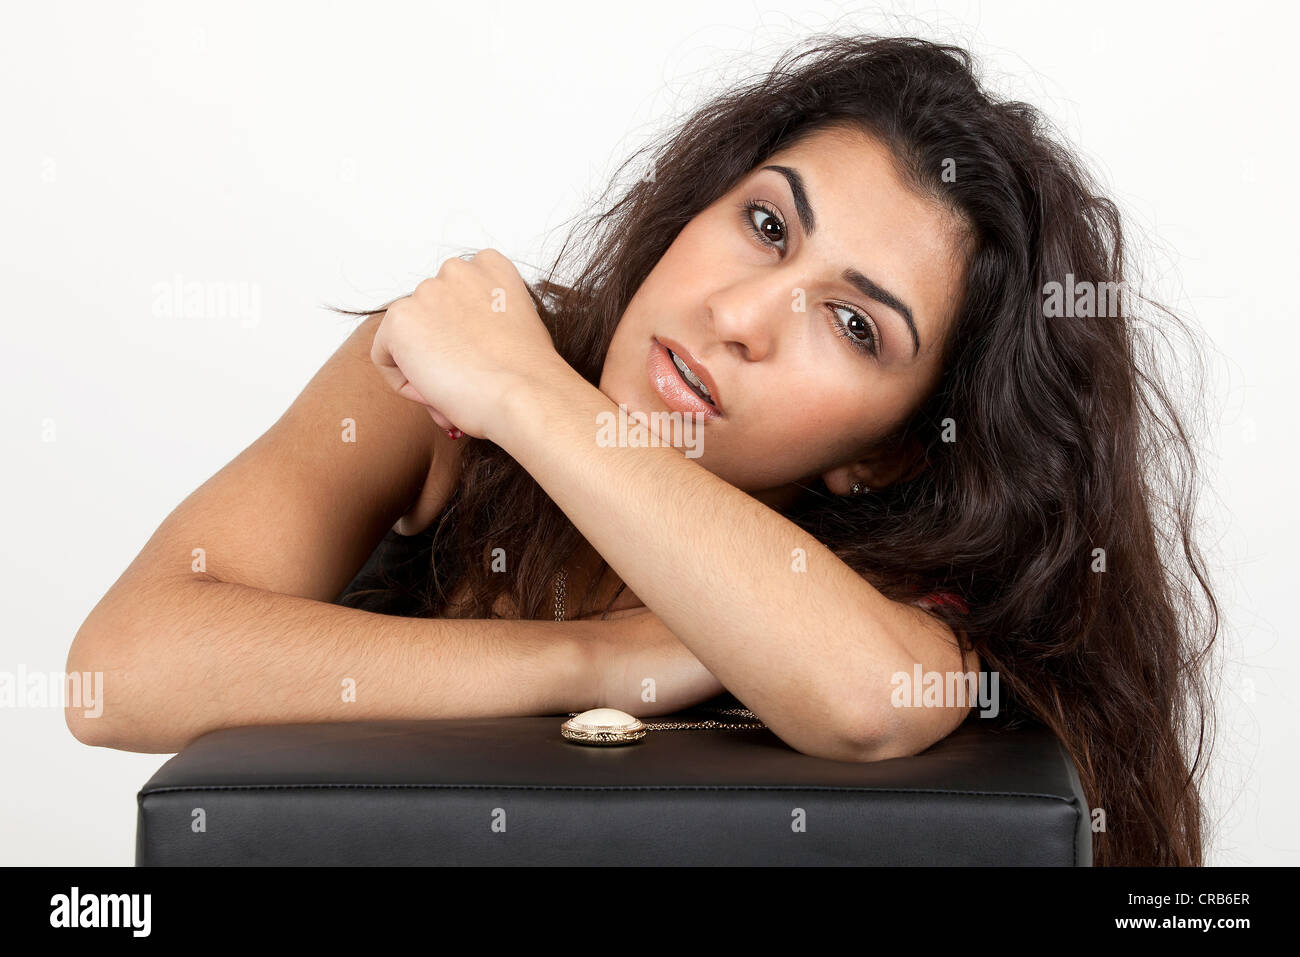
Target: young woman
(930, 436)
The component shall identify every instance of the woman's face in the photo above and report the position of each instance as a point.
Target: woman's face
(803, 326)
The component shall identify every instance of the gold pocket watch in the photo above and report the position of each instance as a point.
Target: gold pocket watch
(609, 726)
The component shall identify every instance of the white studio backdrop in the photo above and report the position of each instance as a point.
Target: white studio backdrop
(310, 153)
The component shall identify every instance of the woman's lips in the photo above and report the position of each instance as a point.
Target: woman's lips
(698, 369)
(671, 387)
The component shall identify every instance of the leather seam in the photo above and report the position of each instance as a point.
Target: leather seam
(173, 789)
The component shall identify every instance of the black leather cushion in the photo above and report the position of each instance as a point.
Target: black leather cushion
(428, 793)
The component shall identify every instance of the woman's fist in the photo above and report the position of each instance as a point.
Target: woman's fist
(463, 341)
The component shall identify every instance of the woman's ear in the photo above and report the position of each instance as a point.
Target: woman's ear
(878, 470)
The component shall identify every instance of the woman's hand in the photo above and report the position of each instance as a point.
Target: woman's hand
(636, 657)
(463, 340)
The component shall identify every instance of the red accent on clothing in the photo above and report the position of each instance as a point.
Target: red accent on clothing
(946, 598)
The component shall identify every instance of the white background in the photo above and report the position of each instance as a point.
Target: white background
(337, 153)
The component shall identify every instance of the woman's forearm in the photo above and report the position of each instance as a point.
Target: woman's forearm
(199, 655)
(811, 651)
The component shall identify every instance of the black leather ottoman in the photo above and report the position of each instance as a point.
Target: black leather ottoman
(511, 791)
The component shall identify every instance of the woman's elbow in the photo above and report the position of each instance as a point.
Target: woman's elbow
(872, 735)
(123, 733)
(903, 732)
(107, 704)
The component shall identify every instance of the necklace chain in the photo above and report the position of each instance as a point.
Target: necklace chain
(560, 581)
(742, 720)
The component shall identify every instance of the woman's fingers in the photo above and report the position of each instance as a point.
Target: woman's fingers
(451, 430)
(408, 391)
(442, 420)
(444, 423)
(388, 368)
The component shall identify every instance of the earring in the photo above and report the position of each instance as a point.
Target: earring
(859, 489)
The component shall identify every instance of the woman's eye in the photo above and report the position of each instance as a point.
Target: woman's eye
(765, 224)
(857, 329)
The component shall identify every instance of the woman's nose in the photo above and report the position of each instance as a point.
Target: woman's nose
(752, 314)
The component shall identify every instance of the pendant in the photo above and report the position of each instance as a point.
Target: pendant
(603, 726)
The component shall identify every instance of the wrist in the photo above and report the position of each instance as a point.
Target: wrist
(528, 401)
(586, 660)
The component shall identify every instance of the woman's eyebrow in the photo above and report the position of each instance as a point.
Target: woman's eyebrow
(808, 223)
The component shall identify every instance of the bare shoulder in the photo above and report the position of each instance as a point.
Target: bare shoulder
(305, 504)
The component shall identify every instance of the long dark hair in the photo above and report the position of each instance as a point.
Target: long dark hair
(1059, 494)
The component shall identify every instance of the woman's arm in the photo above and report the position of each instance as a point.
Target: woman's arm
(224, 617)
(811, 652)
(204, 654)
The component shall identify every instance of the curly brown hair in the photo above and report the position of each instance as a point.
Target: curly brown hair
(1063, 514)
